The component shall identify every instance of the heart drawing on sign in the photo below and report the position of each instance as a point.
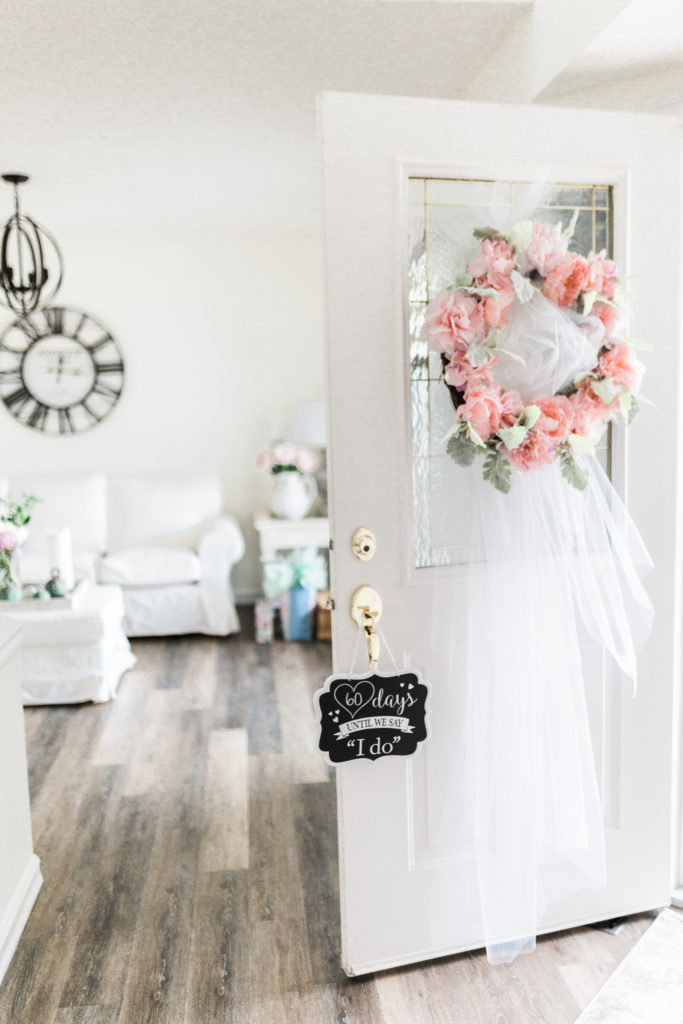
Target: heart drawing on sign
(352, 697)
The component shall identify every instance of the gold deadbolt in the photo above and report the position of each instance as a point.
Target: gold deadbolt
(363, 544)
(366, 611)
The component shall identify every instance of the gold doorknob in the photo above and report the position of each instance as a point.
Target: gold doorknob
(366, 611)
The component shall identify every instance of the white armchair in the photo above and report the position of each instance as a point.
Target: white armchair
(163, 540)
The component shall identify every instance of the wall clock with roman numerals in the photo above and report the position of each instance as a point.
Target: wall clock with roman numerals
(61, 372)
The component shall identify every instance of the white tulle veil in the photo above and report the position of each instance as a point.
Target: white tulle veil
(550, 567)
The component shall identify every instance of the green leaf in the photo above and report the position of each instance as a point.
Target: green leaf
(477, 354)
(575, 474)
(621, 298)
(511, 355)
(520, 235)
(580, 444)
(633, 410)
(523, 288)
(625, 403)
(463, 280)
(531, 414)
(639, 346)
(461, 449)
(484, 292)
(512, 437)
(588, 301)
(497, 470)
(474, 436)
(605, 389)
(488, 233)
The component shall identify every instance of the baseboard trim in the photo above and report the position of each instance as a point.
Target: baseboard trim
(17, 914)
(677, 897)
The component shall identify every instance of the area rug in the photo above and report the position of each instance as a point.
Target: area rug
(647, 986)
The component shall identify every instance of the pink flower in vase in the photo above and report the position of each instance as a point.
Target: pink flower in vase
(547, 248)
(566, 281)
(453, 321)
(264, 461)
(305, 460)
(483, 408)
(8, 540)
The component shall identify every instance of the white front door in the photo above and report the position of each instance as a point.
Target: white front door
(396, 173)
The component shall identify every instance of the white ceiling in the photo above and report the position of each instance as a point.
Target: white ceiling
(180, 112)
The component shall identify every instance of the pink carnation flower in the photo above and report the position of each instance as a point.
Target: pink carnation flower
(495, 307)
(565, 282)
(460, 371)
(483, 408)
(601, 277)
(453, 321)
(556, 419)
(513, 407)
(495, 262)
(590, 414)
(622, 366)
(547, 248)
(535, 450)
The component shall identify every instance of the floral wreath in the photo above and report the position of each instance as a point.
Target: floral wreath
(464, 323)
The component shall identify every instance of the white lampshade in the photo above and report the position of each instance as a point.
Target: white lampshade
(309, 423)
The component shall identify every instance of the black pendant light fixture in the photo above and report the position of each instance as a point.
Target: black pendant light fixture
(30, 260)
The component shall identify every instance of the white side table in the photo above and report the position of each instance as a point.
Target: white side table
(288, 534)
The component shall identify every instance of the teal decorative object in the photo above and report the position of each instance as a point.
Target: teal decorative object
(55, 586)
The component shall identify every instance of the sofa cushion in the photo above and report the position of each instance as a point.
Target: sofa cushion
(142, 567)
(78, 502)
(162, 511)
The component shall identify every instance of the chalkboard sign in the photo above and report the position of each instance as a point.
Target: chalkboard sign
(371, 716)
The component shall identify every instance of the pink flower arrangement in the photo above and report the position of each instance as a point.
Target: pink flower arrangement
(285, 457)
(462, 325)
(8, 540)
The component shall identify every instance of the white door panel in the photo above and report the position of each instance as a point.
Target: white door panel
(408, 878)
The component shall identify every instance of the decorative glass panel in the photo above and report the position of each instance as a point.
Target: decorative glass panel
(438, 231)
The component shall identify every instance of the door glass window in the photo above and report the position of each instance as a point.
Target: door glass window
(438, 229)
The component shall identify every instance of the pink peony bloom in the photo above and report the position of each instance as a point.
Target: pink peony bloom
(566, 281)
(556, 419)
(614, 320)
(513, 407)
(495, 262)
(622, 366)
(460, 371)
(8, 540)
(547, 248)
(453, 321)
(495, 309)
(590, 414)
(601, 277)
(535, 450)
(483, 408)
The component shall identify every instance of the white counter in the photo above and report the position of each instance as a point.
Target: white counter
(20, 877)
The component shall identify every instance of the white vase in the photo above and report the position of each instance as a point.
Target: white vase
(292, 496)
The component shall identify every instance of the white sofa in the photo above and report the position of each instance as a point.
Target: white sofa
(163, 540)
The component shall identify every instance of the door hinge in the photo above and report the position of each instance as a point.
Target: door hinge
(329, 604)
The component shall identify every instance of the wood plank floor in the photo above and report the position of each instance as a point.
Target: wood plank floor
(187, 836)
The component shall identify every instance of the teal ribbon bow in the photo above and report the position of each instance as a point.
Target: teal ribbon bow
(305, 567)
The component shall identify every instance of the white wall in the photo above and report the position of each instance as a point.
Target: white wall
(221, 334)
